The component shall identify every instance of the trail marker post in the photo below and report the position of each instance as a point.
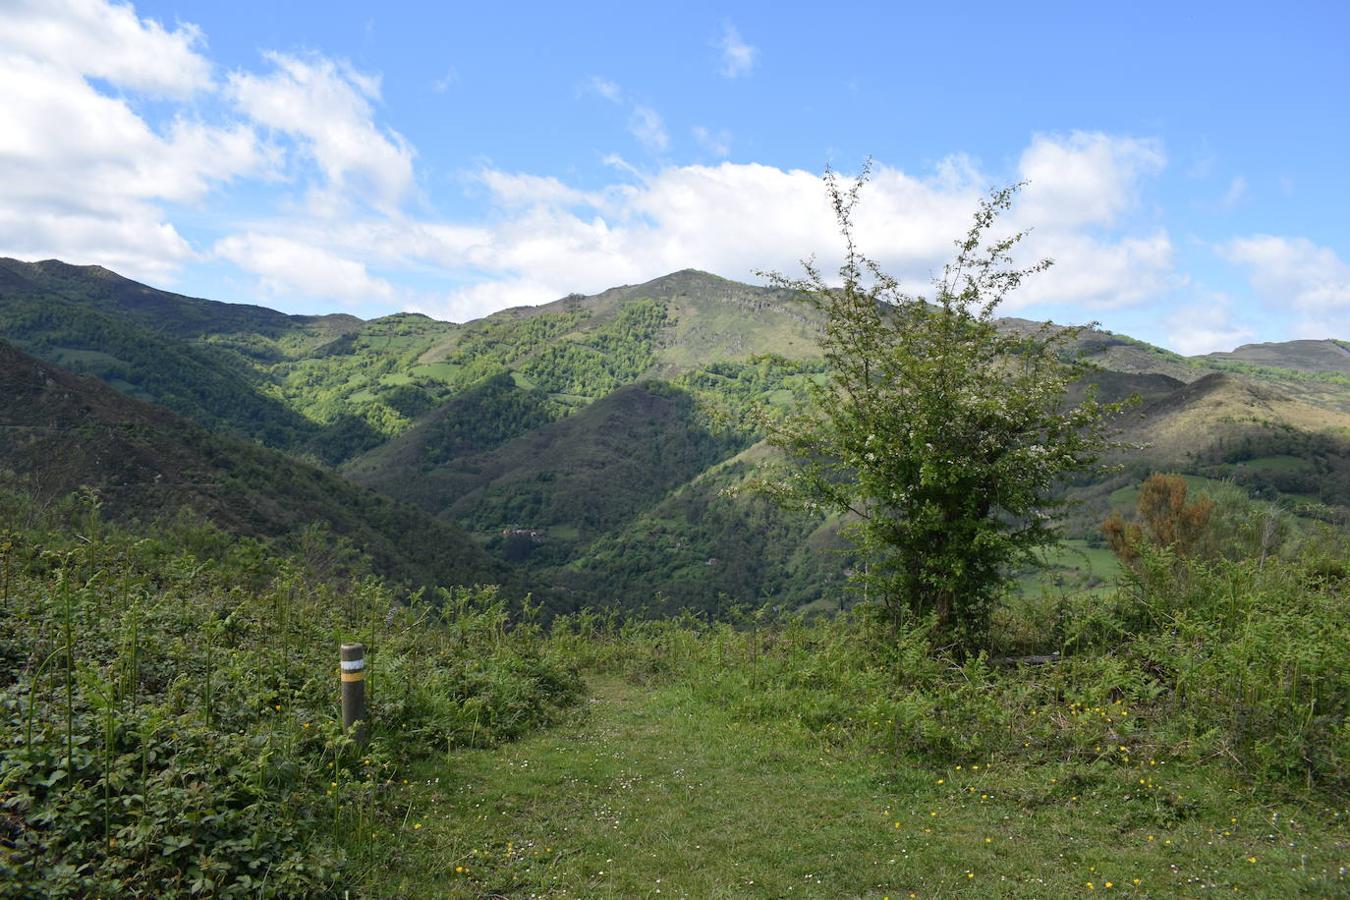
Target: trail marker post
(353, 668)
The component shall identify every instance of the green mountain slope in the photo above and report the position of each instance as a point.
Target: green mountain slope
(60, 431)
(1301, 356)
(704, 547)
(561, 485)
(589, 443)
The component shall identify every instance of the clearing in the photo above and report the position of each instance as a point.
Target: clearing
(660, 791)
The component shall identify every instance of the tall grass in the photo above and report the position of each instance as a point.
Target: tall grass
(1246, 662)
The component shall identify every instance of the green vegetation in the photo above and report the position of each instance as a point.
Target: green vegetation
(168, 706)
(941, 435)
(65, 433)
(1189, 737)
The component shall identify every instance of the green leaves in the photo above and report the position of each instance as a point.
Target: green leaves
(941, 435)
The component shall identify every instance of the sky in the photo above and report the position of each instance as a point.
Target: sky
(1185, 164)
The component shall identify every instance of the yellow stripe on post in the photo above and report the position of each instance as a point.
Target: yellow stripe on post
(352, 666)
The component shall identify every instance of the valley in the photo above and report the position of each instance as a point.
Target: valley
(599, 443)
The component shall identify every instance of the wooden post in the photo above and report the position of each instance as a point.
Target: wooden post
(353, 666)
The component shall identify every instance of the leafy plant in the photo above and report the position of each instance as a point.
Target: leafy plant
(942, 436)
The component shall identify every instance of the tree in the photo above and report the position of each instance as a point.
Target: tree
(1165, 519)
(941, 434)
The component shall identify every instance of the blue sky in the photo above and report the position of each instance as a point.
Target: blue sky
(1186, 162)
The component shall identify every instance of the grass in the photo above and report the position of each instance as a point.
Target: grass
(663, 791)
(1071, 565)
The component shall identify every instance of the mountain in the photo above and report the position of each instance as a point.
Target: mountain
(63, 431)
(1300, 356)
(564, 483)
(595, 445)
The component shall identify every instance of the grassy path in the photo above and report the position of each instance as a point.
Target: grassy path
(659, 792)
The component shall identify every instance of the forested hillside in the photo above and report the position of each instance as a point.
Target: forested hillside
(597, 444)
(142, 463)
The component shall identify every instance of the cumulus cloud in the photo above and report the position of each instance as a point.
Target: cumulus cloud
(550, 239)
(93, 172)
(101, 40)
(738, 57)
(1296, 274)
(83, 175)
(287, 267)
(326, 106)
(1084, 178)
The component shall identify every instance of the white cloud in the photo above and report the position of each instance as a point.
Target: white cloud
(1296, 274)
(86, 175)
(477, 300)
(718, 143)
(286, 266)
(107, 41)
(738, 57)
(83, 176)
(1084, 178)
(1206, 328)
(1093, 273)
(518, 189)
(646, 125)
(549, 239)
(326, 105)
(138, 243)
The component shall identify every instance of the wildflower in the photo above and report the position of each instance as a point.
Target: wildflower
(942, 781)
(1109, 885)
(1251, 859)
(417, 825)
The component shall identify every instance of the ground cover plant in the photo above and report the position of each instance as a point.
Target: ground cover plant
(170, 716)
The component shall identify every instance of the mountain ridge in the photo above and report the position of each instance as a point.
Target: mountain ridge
(574, 438)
